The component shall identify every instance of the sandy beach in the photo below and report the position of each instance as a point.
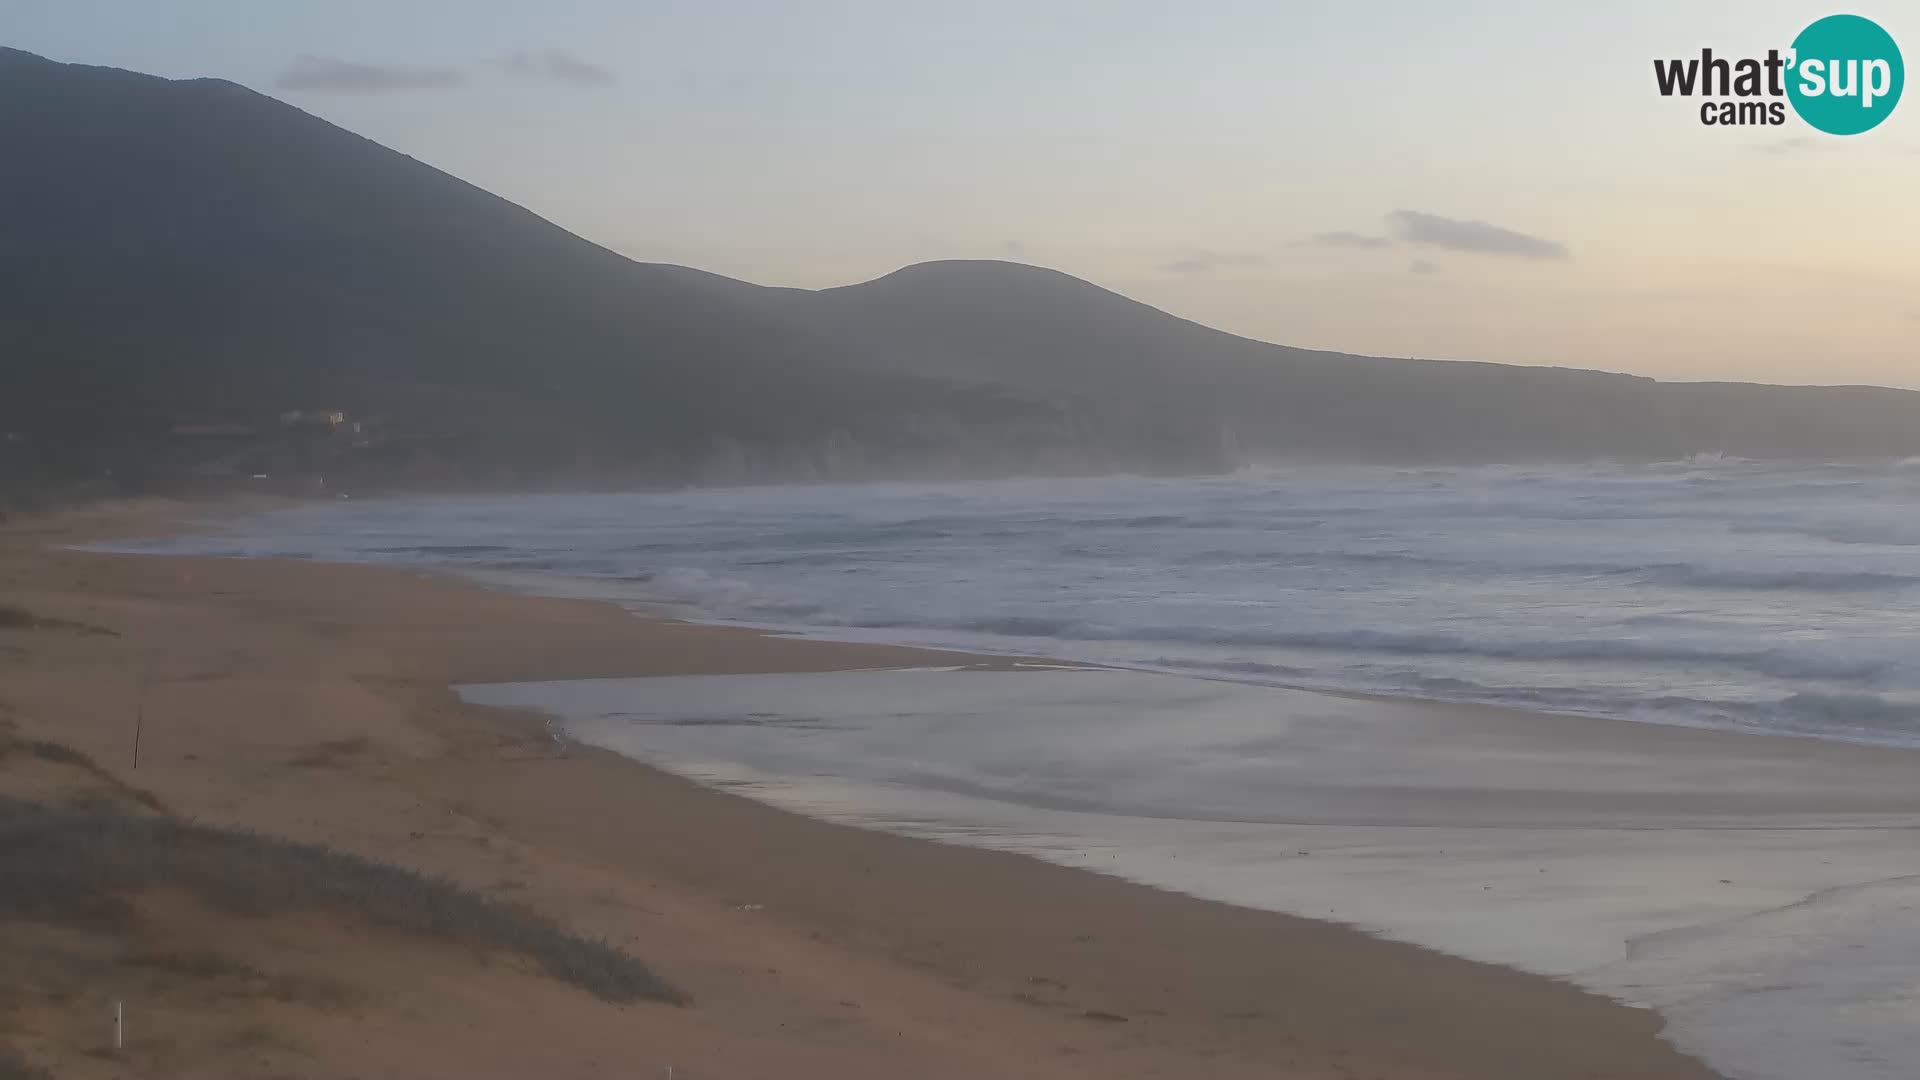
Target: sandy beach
(721, 542)
(312, 701)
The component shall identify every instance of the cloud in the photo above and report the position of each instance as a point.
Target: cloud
(1201, 262)
(1478, 237)
(717, 83)
(1424, 266)
(1347, 238)
(554, 66)
(327, 75)
(1798, 144)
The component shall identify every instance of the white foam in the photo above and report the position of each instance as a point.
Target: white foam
(1773, 596)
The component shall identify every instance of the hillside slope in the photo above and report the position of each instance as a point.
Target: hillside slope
(184, 262)
(1022, 326)
(194, 251)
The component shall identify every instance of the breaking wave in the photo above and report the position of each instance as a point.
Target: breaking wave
(1710, 591)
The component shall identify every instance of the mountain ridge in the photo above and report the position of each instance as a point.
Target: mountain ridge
(194, 254)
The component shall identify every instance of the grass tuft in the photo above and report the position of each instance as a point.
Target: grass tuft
(207, 966)
(333, 754)
(19, 618)
(72, 866)
(59, 754)
(196, 964)
(14, 1068)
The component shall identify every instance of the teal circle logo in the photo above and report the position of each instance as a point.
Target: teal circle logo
(1846, 75)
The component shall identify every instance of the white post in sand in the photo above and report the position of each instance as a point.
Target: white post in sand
(119, 1025)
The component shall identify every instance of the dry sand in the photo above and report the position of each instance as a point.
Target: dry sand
(312, 701)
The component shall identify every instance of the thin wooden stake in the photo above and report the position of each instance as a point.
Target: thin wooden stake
(140, 712)
(119, 1025)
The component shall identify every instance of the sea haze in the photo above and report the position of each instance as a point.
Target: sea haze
(1762, 597)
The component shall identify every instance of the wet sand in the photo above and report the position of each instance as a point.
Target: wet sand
(1758, 891)
(313, 701)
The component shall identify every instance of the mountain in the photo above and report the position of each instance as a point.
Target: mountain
(194, 255)
(201, 283)
(1041, 330)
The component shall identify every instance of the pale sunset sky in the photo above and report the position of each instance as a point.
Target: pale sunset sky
(1297, 173)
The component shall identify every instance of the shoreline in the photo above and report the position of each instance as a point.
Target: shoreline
(555, 585)
(957, 961)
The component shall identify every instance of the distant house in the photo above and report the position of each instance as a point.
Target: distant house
(328, 418)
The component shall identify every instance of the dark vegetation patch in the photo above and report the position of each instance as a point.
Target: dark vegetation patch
(332, 754)
(19, 618)
(14, 1068)
(190, 964)
(56, 753)
(241, 980)
(59, 754)
(73, 867)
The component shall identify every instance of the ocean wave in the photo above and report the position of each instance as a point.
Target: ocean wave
(1564, 588)
(720, 592)
(1780, 662)
(810, 558)
(1681, 574)
(1864, 533)
(1672, 575)
(1137, 521)
(1852, 715)
(1708, 577)
(1850, 708)
(1249, 670)
(440, 549)
(1846, 716)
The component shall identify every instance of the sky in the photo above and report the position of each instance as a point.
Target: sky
(1485, 181)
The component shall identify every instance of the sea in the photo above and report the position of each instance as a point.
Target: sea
(1603, 822)
(1711, 592)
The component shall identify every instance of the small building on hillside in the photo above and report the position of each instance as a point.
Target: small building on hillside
(326, 418)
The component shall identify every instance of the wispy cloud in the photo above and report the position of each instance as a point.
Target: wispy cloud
(1477, 237)
(1346, 238)
(721, 83)
(331, 75)
(1424, 266)
(328, 75)
(1797, 144)
(554, 66)
(1201, 262)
